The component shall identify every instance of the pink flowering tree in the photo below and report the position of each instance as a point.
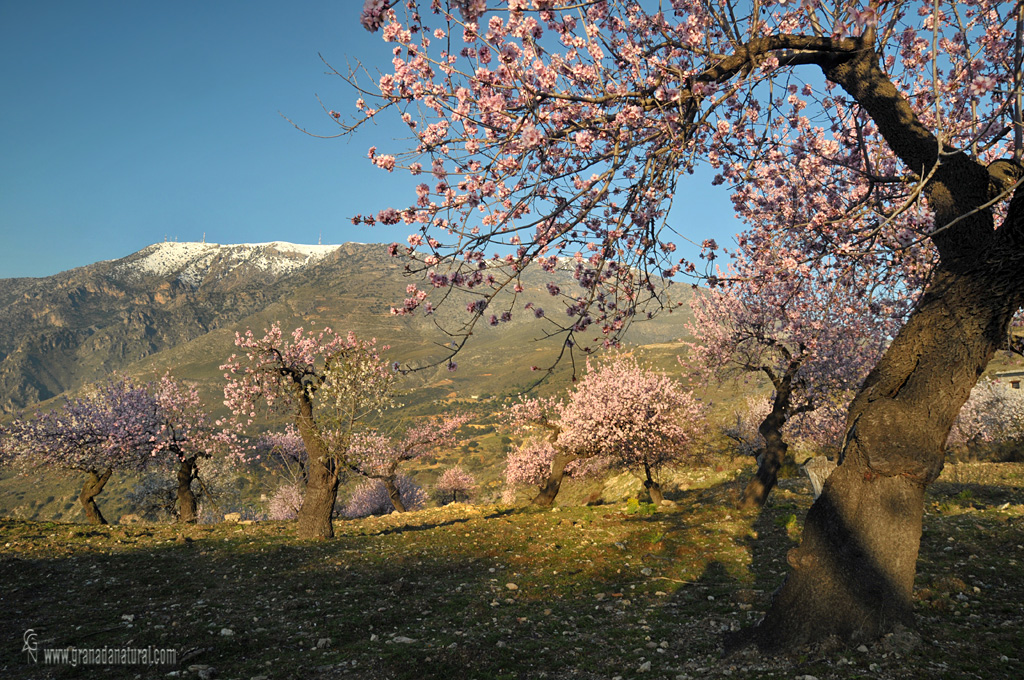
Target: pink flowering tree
(455, 481)
(378, 456)
(553, 128)
(183, 433)
(641, 419)
(285, 502)
(993, 414)
(814, 331)
(330, 384)
(533, 461)
(109, 429)
(620, 414)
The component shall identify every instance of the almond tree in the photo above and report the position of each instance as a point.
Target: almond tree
(533, 463)
(619, 414)
(378, 456)
(455, 481)
(814, 330)
(330, 384)
(109, 429)
(372, 498)
(563, 128)
(182, 431)
(994, 413)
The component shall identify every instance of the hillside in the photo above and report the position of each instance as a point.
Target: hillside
(177, 306)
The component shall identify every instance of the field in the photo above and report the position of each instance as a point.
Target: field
(491, 592)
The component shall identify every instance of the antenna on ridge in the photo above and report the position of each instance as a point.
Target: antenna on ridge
(320, 239)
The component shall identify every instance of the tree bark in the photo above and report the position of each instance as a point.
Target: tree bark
(852, 575)
(317, 511)
(94, 484)
(187, 507)
(653, 488)
(755, 495)
(550, 488)
(394, 494)
(654, 491)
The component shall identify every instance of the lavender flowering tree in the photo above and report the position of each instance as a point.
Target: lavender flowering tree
(378, 456)
(109, 429)
(372, 498)
(329, 384)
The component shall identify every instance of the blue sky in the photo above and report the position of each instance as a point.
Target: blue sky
(127, 123)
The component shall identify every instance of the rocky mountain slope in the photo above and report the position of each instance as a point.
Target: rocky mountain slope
(177, 306)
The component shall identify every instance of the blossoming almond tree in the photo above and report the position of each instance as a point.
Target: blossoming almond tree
(378, 456)
(533, 463)
(328, 383)
(372, 498)
(454, 481)
(107, 430)
(815, 334)
(560, 128)
(183, 432)
(620, 414)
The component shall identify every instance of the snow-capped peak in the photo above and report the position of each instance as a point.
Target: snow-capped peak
(191, 262)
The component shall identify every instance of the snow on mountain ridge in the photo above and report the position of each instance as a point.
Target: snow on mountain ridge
(192, 261)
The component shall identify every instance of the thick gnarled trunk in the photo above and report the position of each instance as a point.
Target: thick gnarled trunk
(549, 490)
(186, 498)
(755, 495)
(394, 494)
(852, 575)
(317, 511)
(94, 484)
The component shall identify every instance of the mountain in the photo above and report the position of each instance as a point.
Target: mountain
(177, 306)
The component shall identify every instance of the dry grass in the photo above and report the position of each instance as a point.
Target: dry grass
(493, 592)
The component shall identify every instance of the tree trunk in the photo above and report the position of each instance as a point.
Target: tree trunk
(550, 488)
(394, 494)
(653, 488)
(654, 491)
(853, 574)
(755, 495)
(186, 497)
(317, 511)
(94, 484)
